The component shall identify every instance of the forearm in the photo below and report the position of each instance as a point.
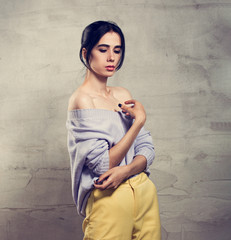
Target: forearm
(113, 177)
(118, 152)
(138, 165)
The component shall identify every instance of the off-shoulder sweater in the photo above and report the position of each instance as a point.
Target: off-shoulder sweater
(91, 134)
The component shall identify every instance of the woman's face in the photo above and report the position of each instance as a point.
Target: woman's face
(106, 54)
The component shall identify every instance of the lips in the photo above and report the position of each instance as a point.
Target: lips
(110, 68)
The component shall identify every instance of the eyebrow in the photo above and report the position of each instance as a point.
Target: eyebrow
(106, 45)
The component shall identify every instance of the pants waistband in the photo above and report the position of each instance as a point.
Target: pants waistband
(136, 180)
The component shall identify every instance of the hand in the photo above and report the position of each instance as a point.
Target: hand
(136, 111)
(112, 178)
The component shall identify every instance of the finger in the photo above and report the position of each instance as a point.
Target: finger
(101, 181)
(103, 186)
(98, 182)
(104, 176)
(127, 110)
(113, 185)
(123, 107)
(110, 186)
(131, 101)
(100, 187)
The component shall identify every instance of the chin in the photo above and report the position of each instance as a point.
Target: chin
(110, 74)
(107, 74)
(103, 73)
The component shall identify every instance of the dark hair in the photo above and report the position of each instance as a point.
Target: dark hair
(92, 34)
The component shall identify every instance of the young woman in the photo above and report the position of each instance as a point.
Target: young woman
(109, 149)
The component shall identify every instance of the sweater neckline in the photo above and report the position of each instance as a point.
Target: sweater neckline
(94, 113)
(93, 109)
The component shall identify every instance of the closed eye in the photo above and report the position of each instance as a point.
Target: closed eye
(102, 50)
(117, 51)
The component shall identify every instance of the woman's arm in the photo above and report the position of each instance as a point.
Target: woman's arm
(144, 156)
(115, 176)
(118, 152)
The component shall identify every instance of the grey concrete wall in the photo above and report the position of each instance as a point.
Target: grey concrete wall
(178, 63)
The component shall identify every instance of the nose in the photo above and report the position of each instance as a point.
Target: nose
(111, 56)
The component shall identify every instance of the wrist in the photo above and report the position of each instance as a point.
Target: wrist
(127, 170)
(139, 122)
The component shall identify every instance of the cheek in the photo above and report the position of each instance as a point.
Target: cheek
(94, 59)
(118, 58)
(96, 63)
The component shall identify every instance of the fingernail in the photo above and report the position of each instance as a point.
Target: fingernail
(120, 105)
(97, 182)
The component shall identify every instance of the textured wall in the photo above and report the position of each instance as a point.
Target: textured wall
(178, 63)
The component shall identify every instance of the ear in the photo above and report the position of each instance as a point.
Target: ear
(84, 53)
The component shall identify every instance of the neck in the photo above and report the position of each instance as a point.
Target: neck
(95, 82)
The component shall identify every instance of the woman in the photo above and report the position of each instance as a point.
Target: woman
(109, 149)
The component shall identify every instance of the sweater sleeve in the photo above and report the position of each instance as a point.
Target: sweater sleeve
(89, 147)
(143, 145)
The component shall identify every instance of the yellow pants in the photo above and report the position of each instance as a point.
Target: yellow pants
(129, 212)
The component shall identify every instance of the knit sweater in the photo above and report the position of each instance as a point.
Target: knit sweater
(91, 134)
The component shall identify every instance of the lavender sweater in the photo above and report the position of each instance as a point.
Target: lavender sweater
(91, 133)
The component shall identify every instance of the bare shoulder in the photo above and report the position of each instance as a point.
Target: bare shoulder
(120, 93)
(80, 100)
